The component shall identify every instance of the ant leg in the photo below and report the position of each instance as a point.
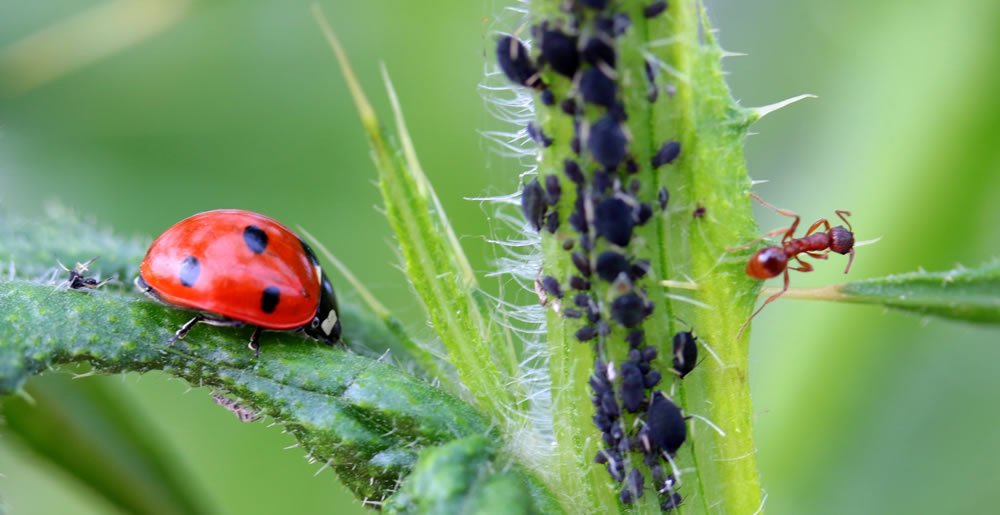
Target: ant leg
(821, 222)
(843, 216)
(769, 300)
(255, 340)
(803, 267)
(791, 230)
(757, 240)
(186, 328)
(819, 255)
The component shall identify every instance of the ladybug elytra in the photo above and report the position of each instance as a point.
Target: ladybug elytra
(238, 267)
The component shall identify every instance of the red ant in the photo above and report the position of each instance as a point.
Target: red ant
(771, 261)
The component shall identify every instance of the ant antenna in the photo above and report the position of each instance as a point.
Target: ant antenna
(843, 216)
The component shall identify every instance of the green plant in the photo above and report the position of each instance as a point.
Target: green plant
(114, 331)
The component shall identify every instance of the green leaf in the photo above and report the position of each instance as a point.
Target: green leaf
(91, 432)
(434, 262)
(972, 295)
(365, 418)
(464, 477)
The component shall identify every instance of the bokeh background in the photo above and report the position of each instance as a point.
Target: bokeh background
(139, 113)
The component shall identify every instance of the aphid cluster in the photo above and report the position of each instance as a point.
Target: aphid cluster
(605, 203)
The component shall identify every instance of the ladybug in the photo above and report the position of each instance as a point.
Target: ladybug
(238, 267)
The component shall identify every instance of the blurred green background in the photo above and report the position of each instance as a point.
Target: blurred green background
(239, 104)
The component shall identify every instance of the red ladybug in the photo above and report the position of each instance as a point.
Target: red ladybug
(238, 267)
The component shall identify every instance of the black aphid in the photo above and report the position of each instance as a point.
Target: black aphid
(536, 135)
(573, 171)
(603, 328)
(568, 106)
(631, 166)
(581, 263)
(685, 353)
(602, 181)
(667, 154)
(595, 4)
(663, 198)
(548, 97)
(699, 212)
(585, 243)
(635, 482)
(604, 24)
(665, 427)
(552, 222)
(572, 313)
(613, 220)
(597, 51)
(643, 214)
(568, 243)
(652, 378)
(628, 310)
(516, 64)
(586, 333)
(552, 287)
(579, 283)
(559, 51)
(598, 88)
(610, 407)
(633, 386)
(607, 142)
(620, 24)
(639, 269)
(672, 502)
(654, 9)
(553, 189)
(635, 338)
(581, 300)
(533, 203)
(609, 264)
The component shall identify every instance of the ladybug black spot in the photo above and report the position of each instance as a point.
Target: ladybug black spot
(255, 238)
(190, 270)
(269, 299)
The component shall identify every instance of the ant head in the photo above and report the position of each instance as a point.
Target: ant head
(767, 262)
(841, 240)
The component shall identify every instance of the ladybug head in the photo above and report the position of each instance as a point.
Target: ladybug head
(325, 326)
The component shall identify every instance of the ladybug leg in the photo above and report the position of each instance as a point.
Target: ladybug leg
(255, 340)
(186, 328)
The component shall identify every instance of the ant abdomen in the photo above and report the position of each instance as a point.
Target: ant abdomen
(767, 262)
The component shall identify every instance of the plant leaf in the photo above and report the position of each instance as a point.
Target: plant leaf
(972, 295)
(433, 261)
(463, 477)
(365, 418)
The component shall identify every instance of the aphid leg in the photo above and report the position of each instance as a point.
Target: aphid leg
(843, 216)
(255, 340)
(791, 230)
(769, 300)
(186, 328)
